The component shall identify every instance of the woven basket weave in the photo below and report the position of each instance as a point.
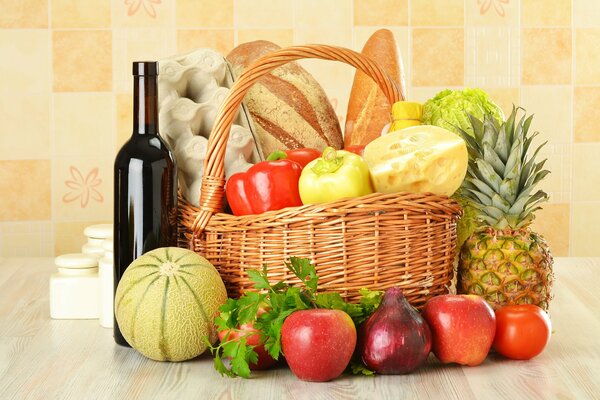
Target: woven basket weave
(375, 241)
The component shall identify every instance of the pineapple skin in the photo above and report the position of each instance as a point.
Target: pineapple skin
(505, 267)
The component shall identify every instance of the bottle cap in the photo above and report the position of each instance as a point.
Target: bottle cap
(76, 261)
(100, 231)
(147, 68)
(407, 110)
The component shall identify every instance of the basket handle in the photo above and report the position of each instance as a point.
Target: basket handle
(213, 180)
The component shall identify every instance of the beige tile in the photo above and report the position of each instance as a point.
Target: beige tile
(220, 40)
(551, 106)
(25, 188)
(204, 14)
(585, 229)
(587, 118)
(24, 13)
(25, 66)
(253, 14)
(281, 37)
(553, 223)
(124, 112)
(586, 172)
(81, 14)
(380, 12)
(432, 67)
(82, 61)
(324, 14)
(558, 161)
(25, 126)
(437, 12)
(546, 56)
(504, 97)
(587, 56)
(143, 13)
(83, 124)
(82, 188)
(492, 13)
(26, 239)
(423, 93)
(586, 14)
(69, 237)
(492, 56)
(138, 44)
(537, 13)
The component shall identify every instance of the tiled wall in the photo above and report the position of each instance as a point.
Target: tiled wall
(65, 102)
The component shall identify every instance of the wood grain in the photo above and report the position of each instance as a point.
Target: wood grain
(42, 358)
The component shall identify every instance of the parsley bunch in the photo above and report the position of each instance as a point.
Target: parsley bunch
(279, 301)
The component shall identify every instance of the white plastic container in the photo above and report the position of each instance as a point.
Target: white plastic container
(74, 288)
(106, 274)
(96, 235)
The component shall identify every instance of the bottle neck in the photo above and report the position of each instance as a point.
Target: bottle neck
(145, 105)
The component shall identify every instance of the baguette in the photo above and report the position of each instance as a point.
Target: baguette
(368, 108)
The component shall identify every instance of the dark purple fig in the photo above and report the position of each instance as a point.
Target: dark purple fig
(395, 339)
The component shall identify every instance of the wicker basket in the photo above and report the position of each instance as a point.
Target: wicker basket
(375, 241)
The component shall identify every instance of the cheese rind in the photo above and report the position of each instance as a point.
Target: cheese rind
(418, 159)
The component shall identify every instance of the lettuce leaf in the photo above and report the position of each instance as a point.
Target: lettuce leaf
(450, 109)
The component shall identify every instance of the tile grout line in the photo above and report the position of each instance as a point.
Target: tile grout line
(572, 132)
(51, 128)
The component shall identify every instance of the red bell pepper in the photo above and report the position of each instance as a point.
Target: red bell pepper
(266, 186)
(356, 149)
(301, 156)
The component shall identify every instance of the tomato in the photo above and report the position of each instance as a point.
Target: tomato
(253, 339)
(522, 331)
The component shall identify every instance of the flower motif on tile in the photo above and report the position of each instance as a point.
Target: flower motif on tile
(83, 188)
(135, 5)
(486, 5)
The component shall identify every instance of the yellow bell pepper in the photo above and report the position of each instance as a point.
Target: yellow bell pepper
(333, 176)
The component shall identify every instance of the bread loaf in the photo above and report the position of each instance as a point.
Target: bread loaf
(288, 106)
(368, 108)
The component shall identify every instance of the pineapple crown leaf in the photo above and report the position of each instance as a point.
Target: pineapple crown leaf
(502, 172)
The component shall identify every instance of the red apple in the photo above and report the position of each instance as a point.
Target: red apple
(265, 361)
(462, 327)
(318, 343)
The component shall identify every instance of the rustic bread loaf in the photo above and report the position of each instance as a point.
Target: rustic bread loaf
(368, 108)
(288, 106)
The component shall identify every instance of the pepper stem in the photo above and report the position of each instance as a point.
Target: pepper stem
(328, 163)
(277, 155)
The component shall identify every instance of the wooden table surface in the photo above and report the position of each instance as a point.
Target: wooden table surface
(42, 358)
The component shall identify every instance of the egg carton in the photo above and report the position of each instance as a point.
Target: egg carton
(192, 87)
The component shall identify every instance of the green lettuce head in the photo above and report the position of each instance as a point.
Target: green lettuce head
(450, 109)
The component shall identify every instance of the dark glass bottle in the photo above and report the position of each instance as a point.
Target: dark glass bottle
(145, 203)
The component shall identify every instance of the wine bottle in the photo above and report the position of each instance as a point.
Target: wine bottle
(145, 185)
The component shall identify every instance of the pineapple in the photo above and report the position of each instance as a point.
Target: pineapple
(503, 260)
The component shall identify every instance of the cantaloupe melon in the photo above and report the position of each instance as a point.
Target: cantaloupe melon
(166, 302)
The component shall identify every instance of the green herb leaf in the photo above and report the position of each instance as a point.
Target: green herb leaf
(221, 368)
(248, 307)
(279, 301)
(358, 368)
(260, 279)
(305, 271)
(239, 363)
